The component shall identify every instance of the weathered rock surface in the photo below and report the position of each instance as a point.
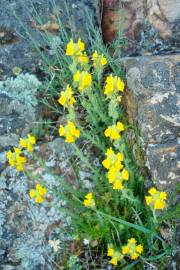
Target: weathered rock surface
(26, 227)
(18, 107)
(151, 27)
(19, 41)
(152, 101)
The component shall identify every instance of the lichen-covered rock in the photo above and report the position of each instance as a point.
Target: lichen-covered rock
(18, 107)
(152, 101)
(26, 227)
(20, 40)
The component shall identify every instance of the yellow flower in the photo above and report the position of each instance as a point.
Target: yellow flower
(156, 199)
(38, 193)
(15, 159)
(41, 190)
(139, 248)
(75, 49)
(116, 177)
(28, 142)
(113, 132)
(125, 249)
(83, 80)
(116, 255)
(125, 174)
(113, 160)
(118, 185)
(39, 199)
(66, 97)
(110, 251)
(83, 59)
(98, 60)
(114, 261)
(113, 85)
(70, 132)
(89, 200)
(132, 249)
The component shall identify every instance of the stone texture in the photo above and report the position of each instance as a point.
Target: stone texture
(19, 41)
(152, 101)
(18, 107)
(15, 119)
(151, 27)
(26, 227)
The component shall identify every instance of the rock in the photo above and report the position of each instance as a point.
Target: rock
(18, 107)
(20, 40)
(151, 27)
(152, 101)
(26, 227)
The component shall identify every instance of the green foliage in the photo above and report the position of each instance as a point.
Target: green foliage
(118, 215)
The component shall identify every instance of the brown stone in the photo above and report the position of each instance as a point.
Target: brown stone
(147, 25)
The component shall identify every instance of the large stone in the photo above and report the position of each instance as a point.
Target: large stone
(20, 40)
(152, 101)
(149, 26)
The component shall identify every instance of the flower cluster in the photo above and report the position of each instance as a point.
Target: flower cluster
(114, 161)
(116, 171)
(83, 59)
(89, 200)
(75, 49)
(132, 249)
(98, 60)
(156, 199)
(28, 143)
(114, 254)
(116, 177)
(70, 132)
(16, 159)
(38, 193)
(66, 97)
(113, 132)
(113, 85)
(82, 80)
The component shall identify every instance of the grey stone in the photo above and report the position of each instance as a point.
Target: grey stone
(163, 163)
(26, 227)
(152, 101)
(19, 42)
(16, 119)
